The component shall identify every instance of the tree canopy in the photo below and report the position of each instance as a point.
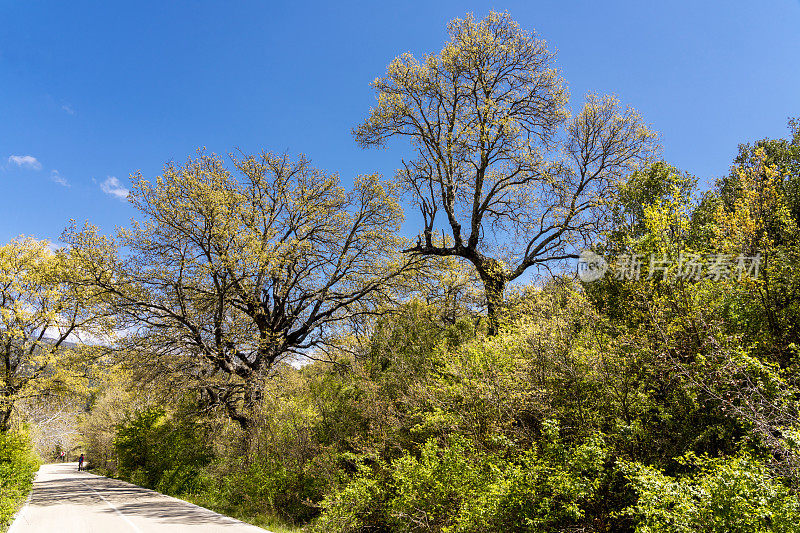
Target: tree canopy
(44, 311)
(232, 271)
(519, 182)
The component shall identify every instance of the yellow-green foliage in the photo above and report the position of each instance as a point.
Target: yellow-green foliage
(458, 487)
(18, 464)
(728, 495)
(44, 307)
(630, 404)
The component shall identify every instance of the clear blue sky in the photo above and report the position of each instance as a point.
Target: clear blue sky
(91, 91)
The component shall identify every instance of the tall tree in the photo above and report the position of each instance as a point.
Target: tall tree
(519, 182)
(233, 271)
(44, 311)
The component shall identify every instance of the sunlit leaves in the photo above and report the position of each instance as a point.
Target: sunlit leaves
(235, 268)
(44, 307)
(498, 159)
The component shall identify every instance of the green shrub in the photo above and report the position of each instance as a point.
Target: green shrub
(546, 490)
(160, 453)
(359, 506)
(18, 465)
(460, 488)
(431, 490)
(269, 486)
(136, 445)
(731, 495)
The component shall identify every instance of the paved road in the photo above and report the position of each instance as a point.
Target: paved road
(66, 501)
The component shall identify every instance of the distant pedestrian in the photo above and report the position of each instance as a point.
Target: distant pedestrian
(80, 463)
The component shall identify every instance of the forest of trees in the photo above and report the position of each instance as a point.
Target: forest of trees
(263, 340)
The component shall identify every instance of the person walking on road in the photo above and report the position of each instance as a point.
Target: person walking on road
(80, 463)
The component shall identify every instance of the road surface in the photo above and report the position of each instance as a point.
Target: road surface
(64, 500)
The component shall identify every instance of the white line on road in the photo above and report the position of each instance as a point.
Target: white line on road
(133, 526)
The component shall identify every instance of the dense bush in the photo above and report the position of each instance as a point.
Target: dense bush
(458, 487)
(729, 495)
(159, 452)
(268, 486)
(18, 465)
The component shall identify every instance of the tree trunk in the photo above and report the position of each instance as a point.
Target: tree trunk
(246, 413)
(240, 417)
(5, 419)
(494, 285)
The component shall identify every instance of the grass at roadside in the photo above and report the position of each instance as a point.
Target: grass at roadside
(264, 520)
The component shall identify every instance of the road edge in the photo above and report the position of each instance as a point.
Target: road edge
(18, 515)
(235, 520)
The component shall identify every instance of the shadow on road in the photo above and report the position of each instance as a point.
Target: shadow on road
(75, 490)
(172, 512)
(130, 500)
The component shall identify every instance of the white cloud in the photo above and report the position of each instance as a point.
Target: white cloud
(58, 178)
(25, 161)
(113, 187)
(68, 109)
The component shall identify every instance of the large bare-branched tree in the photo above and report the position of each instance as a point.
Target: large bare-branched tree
(499, 162)
(232, 271)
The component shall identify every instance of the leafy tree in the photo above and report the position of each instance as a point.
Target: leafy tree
(43, 305)
(756, 212)
(519, 183)
(657, 184)
(233, 271)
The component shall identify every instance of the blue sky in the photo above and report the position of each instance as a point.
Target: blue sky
(91, 92)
